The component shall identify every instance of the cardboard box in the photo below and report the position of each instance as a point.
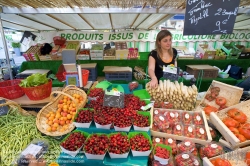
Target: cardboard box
(207, 51)
(121, 54)
(208, 71)
(183, 52)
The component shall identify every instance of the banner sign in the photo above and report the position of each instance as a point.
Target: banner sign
(138, 36)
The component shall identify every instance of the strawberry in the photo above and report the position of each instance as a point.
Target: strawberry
(74, 141)
(187, 146)
(186, 159)
(119, 144)
(187, 118)
(173, 116)
(97, 144)
(178, 129)
(172, 143)
(157, 140)
(212, 150)
(189, 131)
(197, 119)
(200, 132)
(162, 152)
(139, 143)
(161, 123)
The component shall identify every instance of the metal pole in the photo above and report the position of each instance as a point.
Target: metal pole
(5, 49)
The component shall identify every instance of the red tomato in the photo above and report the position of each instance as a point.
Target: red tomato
(237, 115)
(220, 162)
(245, 130)
(221, 101)
(229, 122)
(247, 158)
(241, 137)
(208, 109)
(234, 130)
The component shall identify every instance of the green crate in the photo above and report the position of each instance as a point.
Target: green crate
(231, 50)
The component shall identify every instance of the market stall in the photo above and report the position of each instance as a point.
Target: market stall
(121, 120)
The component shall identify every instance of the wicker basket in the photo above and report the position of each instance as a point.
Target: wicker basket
(14, 105)
(52, 106)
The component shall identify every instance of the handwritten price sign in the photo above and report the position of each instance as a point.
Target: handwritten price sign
(205, 17)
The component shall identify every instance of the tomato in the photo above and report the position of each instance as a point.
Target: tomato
(229, 122)
(208, 109)
(234, 130)
(237, 115)
(215, 90)
(240, 137)
(209, 97)
(245, 130)
(221, 101)
(222, 107)
(220, 162)
(247, 158)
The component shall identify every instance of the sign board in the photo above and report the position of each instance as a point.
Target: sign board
(4, 109)
(205, 17)
(171, 73)
(114, 99)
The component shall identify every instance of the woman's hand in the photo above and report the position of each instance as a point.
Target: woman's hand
(153, 83)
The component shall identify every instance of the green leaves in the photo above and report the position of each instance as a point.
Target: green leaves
(34, 80)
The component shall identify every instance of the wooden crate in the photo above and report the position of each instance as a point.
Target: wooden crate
(236, 158)
(45, 58)
(195, 140)
(231, 93)
(216, 119)
(208, 71)
(109, 57)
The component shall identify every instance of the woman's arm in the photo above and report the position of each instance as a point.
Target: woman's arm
(151, 72)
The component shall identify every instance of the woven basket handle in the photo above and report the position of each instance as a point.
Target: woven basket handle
(60, 92)
(17, 105)
(70, 87)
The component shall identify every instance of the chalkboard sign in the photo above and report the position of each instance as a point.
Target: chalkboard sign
(171, 75)
(114, 100)
(205, 17)
(4, 109)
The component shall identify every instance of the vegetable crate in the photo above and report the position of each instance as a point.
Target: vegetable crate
(208, 71)
(33, 53)
(236, 158)
(216, 119)
(113, 73)
(109, 54)
(198, 125)
(232, 94)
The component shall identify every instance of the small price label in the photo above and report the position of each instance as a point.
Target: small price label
(172, 115)
(187, 116)
(161, 118)
(185, 156)
(156, 112)
(214, 146)
(190, 129)
(170, 140)
(202, 131)
(157, 140)
(198, 118)
(187, 143)
(178, 127)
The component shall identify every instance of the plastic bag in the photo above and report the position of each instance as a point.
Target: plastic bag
(37, 148)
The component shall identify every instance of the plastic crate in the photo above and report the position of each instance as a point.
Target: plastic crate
(127, 76)
(92, 73)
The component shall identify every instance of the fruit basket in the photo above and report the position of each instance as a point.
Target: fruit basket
(10, 89)
(52, 108)
(59, 40)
